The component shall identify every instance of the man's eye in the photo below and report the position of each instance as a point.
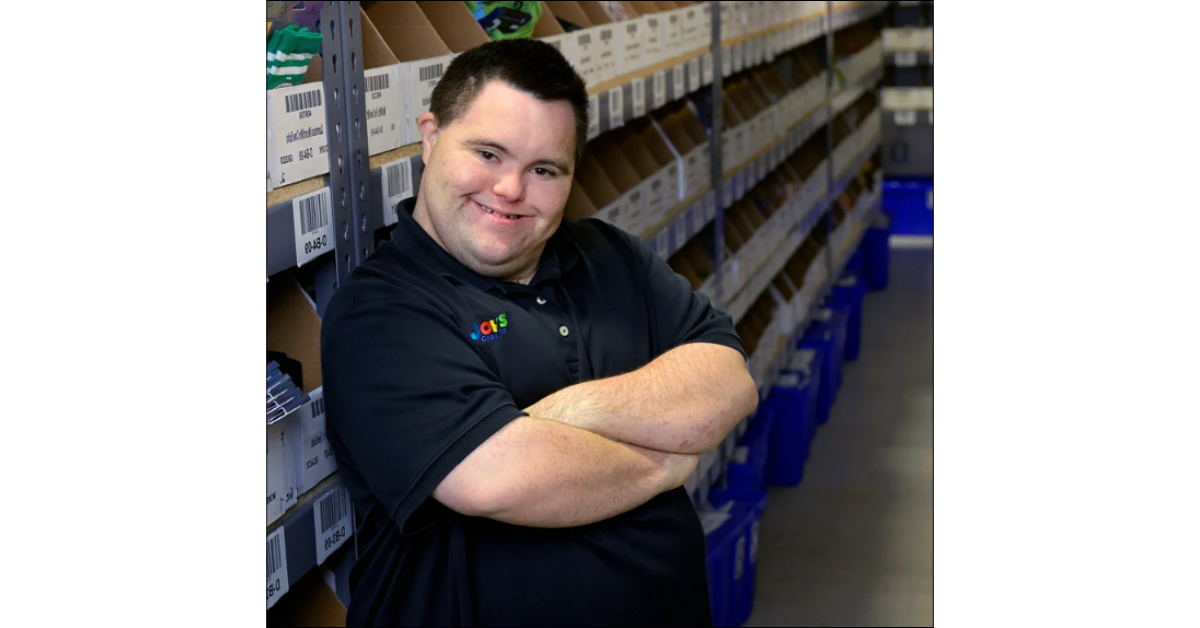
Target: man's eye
(542, 172)
(487, 155)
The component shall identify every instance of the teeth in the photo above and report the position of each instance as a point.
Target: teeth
(492, 211)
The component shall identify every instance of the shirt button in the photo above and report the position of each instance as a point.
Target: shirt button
(541, 301)
(564, 331)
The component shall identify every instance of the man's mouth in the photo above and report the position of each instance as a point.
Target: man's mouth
(497, 213)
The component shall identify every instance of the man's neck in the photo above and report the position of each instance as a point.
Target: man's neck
(421, 216)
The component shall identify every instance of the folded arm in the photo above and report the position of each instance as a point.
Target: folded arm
(541, 473)
(685, 401)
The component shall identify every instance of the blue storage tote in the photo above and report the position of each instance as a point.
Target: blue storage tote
(877, 254)
(910, 204)
(749, 463)
(849, 294)
(740, 578)
(795, 401)
(727, 562)
(822, 335)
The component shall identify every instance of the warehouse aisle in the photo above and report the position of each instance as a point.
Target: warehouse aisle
(853, 544)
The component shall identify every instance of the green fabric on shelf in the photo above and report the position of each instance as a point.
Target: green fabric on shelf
(506, 20)
(288, 55)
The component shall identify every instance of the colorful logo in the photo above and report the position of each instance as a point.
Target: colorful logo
(490, 330)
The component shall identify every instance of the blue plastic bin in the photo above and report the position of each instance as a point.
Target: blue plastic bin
(877, 253)
(795, 401)
(849, 294)
(740, 578)
(752, 472)
(727, 560)
(824, 336)
(910, 204)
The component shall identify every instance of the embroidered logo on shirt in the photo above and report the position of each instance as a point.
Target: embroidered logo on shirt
(490, 330)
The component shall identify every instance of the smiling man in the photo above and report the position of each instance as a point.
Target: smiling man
(515, 400)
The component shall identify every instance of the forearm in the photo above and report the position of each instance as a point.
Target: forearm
(542, 473)
(685, 401)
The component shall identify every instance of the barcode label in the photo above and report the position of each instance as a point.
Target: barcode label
(616, 108)
(303, 100)
(694, 73)
(332, 509)
(313, 217)
(314, 213)
(377, 83)
(556, 43)
(679, 72)
(906, 117)
(397, 187)
(318, 408)
(584, 39)
(706, 69)
(332, 517)
(431, 72)
(606, 34)
(639, 98)
(660, 88)
(277, 582)
(906, 59)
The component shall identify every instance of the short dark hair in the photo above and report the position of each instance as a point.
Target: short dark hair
(530, 65)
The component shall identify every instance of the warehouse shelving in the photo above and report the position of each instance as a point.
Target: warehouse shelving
(300, 207)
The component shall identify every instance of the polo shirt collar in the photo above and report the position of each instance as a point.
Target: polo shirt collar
(558, 257)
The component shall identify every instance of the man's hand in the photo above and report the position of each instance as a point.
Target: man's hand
(686, 401)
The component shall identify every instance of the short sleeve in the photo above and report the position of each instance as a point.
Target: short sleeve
(407, 399)
(681, 315)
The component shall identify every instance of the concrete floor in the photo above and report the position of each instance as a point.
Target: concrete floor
(852, 545)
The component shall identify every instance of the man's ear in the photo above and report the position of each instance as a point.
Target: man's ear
(427, 126)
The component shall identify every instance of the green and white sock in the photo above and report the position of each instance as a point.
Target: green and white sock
(288, 55)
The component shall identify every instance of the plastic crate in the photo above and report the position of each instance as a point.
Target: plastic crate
(877, 254)
(910, 204)
(849, 294)
(738, 579)
(795, 400)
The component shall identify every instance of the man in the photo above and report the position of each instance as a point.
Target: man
(515, 401)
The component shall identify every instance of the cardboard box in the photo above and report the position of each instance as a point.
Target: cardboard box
(632, 33)
(311, 602)
(585, 42)
(673, 34)
(608, 35)
(550, 31)
(652, 174)
(681, 145)
(652, 139)
(579, 206)
(599, 188)
(423, 55)
(701, 157)
(653, 32)
(627, 181)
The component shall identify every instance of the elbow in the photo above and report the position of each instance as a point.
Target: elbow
(746, 393)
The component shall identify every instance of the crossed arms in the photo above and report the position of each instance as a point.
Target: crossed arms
(600, 448)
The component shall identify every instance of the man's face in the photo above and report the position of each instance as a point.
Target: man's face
(496, 180)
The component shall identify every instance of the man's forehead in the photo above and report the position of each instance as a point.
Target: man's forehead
(520, 121)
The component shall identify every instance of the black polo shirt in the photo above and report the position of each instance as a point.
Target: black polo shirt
(424, 360)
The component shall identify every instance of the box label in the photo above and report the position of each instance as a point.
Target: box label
(662, 243)
(681, 231)
(301, 150)
(652, 43)
(639, 97)
(316, 452)
(660, 88)
(693, 68)
(424, 76)
(739, 56)
(397, 186)
(333, 520)
(706, 69)
(726, 62)
(906, 117)
(587, 53)
(277, 579)
(385, 116)
(608, 51)
(678, 75)
(312, 215)
(906, 58)
(631, 45)
(593, 116)
(616, 108)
